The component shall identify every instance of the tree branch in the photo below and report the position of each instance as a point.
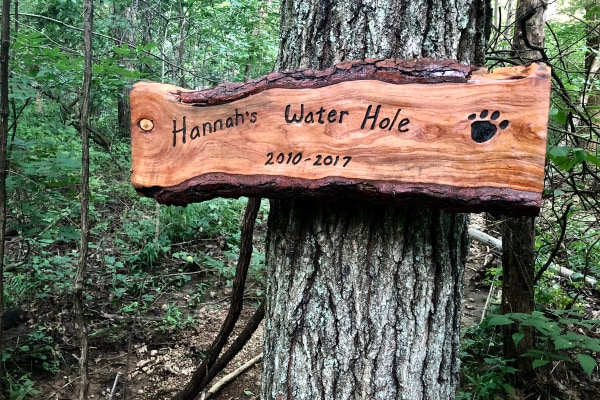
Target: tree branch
(198, 381)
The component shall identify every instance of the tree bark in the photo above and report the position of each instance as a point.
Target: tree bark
(518, 234)
(518, 289)
(4, 55)
(534, 29)
(78, 284)
(364, 302)
(125, 36)
(591, 96)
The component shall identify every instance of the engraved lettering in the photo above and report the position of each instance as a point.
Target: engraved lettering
(294, 119)
(321, 116)
(319, 160)
(385, 123)
(368, 117)
(402, 124)
(195, 133)
(176, 131)
(235, 119)
(205, 126)
(331, 117)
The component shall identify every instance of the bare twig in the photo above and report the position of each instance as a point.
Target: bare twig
(231, 376)
(562, 271)
(114, 387)
(198, 381)
(486, 239)
(554, 252)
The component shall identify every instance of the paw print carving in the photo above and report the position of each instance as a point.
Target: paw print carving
(486, 128)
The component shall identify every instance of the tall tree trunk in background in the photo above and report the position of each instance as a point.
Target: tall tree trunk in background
(535, 29)
(125, 36)
(13, 103)
(510, 20)
(518, 272)
(181, 44)
(4, 55)
(518, 234)
(591, 98)
(78, 286)
(363, 301)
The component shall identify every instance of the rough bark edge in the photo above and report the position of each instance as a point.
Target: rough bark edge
(397, 71)
(479, 199)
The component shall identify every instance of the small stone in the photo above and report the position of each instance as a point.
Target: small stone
(142, 363)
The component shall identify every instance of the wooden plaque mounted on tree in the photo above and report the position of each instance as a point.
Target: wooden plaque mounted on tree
(439, 132)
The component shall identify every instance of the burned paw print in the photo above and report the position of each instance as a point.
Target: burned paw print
(482, 131)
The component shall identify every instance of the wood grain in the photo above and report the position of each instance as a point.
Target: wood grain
(392, 130)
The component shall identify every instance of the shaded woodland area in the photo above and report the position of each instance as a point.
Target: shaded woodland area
(147, 287)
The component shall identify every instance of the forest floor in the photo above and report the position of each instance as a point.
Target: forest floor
(141, 358)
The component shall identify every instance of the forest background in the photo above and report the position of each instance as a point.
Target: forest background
(150, 267)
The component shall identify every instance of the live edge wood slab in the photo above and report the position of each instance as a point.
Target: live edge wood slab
(438, 132)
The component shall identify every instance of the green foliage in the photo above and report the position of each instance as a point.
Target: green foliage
(174, 319)
(579, 251)
(554, 337)
(567, 157)
(36, 351)
(490, 379)
(20, 387)
(139, 253)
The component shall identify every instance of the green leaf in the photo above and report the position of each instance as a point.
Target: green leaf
(559, 116)
(497, 320)
(122, 51)
(539, 363)
(517, 337)
(561, 342)
(592, 13)
(508, 388)
(587, 363)
(566, 157)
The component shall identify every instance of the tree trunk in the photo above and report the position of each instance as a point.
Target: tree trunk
(125, 36)
(518, 289)
(4, 54)
(518, 234)
(78, 284)
(534, 29)
(591, 96)
(363, 301)
(181, 44)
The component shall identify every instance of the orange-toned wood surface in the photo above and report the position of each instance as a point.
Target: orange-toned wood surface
(476, 141)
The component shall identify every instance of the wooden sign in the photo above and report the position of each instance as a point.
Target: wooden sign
(394, 130)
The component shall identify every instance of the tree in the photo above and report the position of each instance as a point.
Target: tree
(518, 234)
(4, 55)
(88, 13)
(591, 94)
(364, 301)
